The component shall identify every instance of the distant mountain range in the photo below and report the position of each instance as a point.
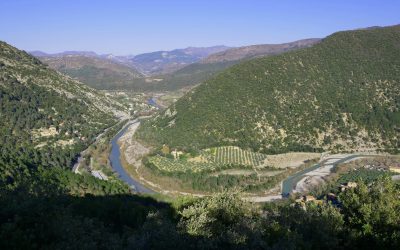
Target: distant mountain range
(160, 70)
(153, 63)
(162, 62)
(108, 71)
(39, 53)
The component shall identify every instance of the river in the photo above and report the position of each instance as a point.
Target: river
(115, 160)
(153, 102)
(290, 183)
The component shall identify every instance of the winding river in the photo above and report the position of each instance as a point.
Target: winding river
(115, 159)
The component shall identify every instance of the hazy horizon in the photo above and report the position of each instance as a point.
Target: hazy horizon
(128, 28)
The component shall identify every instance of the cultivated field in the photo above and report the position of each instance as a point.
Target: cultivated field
(234, 155)
(170, 165)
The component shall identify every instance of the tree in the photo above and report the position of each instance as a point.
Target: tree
(165, 149)
(223, 219)
(372, 214)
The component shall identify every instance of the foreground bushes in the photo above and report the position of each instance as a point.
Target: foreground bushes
(366, 217)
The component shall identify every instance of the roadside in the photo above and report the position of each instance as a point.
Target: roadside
(98, 149)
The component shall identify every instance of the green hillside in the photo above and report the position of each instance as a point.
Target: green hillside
(46, 119)
(341, 94)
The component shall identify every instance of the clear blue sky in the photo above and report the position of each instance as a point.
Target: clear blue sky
(131, 27)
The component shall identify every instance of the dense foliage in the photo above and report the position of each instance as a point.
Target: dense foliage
(341, 94)
(366, 218)
(46, 119)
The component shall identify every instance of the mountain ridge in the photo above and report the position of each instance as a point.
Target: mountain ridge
(258, 50)
(162, 62)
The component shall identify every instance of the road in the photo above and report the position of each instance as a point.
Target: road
(78, 163)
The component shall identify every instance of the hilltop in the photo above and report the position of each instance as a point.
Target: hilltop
(341, 94)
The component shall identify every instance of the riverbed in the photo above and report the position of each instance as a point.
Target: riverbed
(115, 160)
(289, 184)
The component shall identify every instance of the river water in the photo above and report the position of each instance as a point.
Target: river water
(115, 159)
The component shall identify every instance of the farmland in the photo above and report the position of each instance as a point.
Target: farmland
(234, 155)
(168, 165)
(366, 175)
(209, 160)
(218, 168)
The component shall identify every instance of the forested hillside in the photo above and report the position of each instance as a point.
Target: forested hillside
(341, 94)
(46, 119)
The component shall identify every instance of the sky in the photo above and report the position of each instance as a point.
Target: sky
(132, 27)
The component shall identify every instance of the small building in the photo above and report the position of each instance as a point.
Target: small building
(305, 198)
(348, 185)
(352, 184)
(394, 169)
(176, 154)
(309, 198)
(331, 196)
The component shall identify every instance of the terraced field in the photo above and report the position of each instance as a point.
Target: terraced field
(213, 159)
(234, 155)
(170, 165)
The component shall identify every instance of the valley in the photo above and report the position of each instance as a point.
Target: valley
(293, 169)
(171, 158)
(291, 145)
